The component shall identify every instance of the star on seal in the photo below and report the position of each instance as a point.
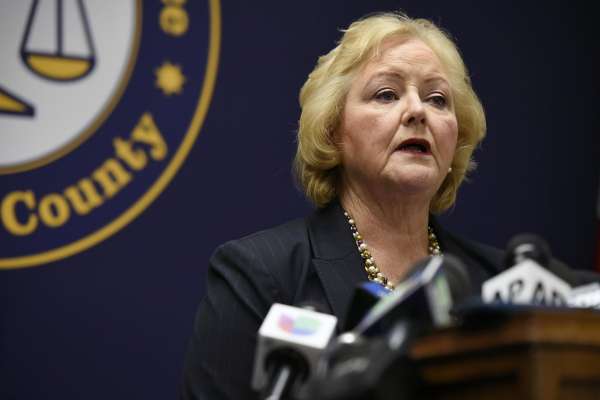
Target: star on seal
(169, 78)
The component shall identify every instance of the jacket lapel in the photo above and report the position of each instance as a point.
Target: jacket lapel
(336, 259)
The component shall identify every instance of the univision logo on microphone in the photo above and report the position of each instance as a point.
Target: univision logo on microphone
(300, 325)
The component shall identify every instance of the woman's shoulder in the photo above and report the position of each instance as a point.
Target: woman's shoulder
(245, 277)
(273, 259)
(289, 232)
(271, 246)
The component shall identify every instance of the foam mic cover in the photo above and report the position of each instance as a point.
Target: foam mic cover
(527, 246)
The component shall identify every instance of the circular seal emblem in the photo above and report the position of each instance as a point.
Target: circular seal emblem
(100, 103)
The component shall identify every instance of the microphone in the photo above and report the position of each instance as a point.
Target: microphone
(371, 361)
(586, 296)
(374, 368)
(425, 297)
(527, 246)
(366, 295)
(458, 278)
(290, 342)
(526, 279)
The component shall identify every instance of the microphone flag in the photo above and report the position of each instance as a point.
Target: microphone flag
(291, 335)
(526, 283)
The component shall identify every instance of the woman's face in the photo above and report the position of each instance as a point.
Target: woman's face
(398, 130)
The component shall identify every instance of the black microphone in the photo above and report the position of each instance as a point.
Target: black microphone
(527, 246)
(426, 296)
(365, 296)
(458, 278)
(371, 361)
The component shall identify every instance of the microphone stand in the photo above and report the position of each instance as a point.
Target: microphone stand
(283, 379)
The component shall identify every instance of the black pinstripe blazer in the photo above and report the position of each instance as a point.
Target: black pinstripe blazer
(306, 260)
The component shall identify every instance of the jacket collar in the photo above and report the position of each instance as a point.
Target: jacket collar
(330, 234)
(336, 258)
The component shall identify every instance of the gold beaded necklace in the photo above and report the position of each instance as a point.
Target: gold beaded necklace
(372, 269)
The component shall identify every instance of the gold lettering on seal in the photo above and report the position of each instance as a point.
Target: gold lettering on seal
(174, 19)
(8, 213)
(20, 212)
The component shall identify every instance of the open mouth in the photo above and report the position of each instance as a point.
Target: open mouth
(416, 146)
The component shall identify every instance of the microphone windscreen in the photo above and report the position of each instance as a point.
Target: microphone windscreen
(527, 246)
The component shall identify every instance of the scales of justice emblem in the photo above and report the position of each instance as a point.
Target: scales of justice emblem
(54, 84)
(52, 60)
(88, 137)
(59, 63)
(56, 62)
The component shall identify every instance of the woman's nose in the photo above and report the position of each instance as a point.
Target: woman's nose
(414, 111)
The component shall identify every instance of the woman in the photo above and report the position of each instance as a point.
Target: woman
(397, 150)
(389, 123)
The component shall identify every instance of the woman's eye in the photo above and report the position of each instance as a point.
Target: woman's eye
(386, 96)
(438, 100)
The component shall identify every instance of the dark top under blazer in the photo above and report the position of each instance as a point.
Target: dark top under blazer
(311, 260)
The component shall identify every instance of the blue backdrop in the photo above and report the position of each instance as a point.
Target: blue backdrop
(113, 320)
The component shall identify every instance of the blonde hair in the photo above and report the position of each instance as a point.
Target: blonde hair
(318, 159)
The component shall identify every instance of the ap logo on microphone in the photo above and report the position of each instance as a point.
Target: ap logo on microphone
(526, 283)
(100, 103)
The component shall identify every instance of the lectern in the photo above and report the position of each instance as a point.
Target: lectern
(534, 353)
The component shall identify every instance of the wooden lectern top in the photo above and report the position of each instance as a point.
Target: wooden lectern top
(521, 353)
